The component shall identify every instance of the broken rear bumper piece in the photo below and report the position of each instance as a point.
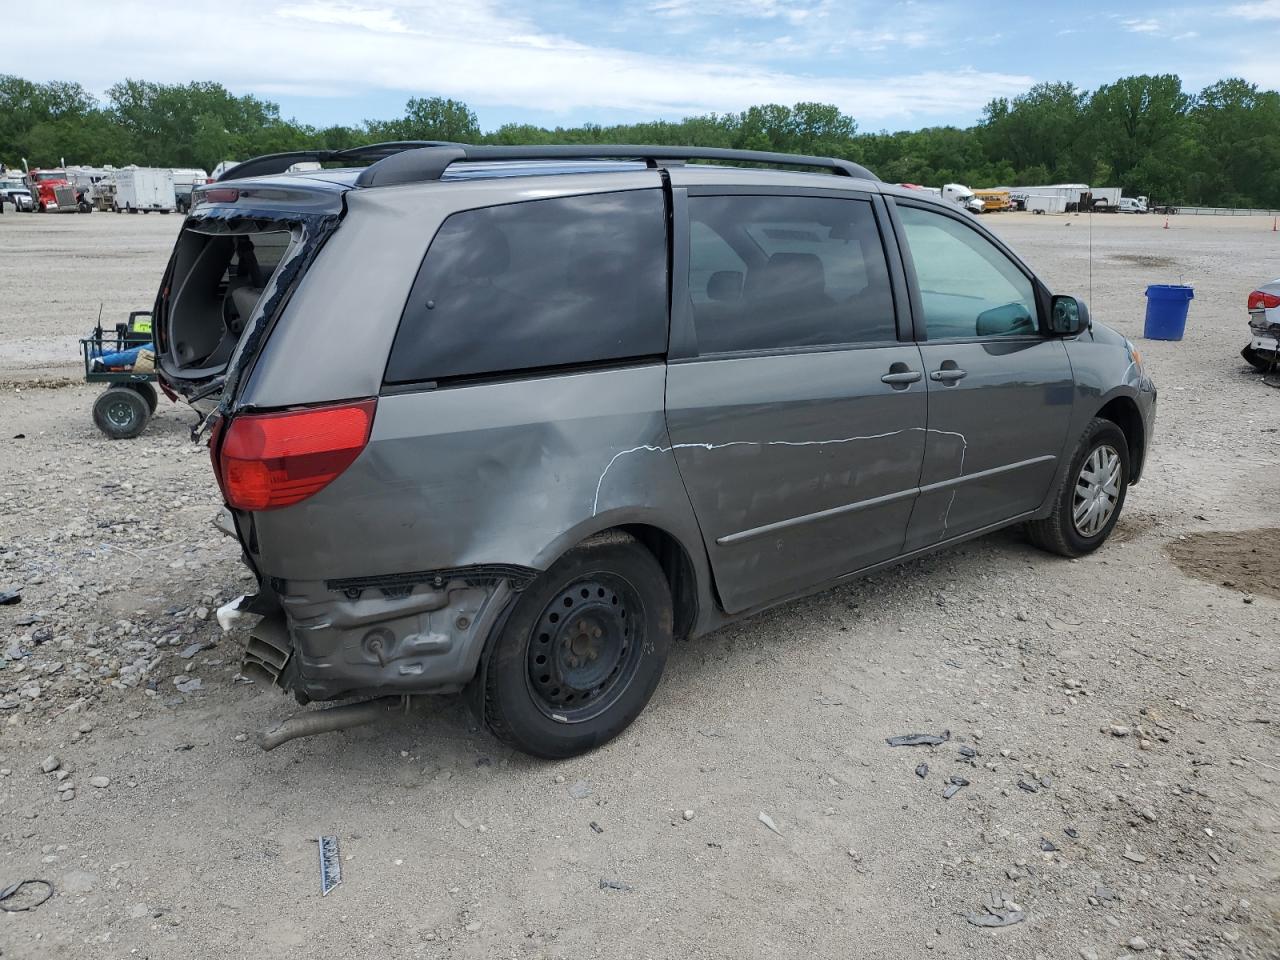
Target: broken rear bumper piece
(388, 635)
(381, 636)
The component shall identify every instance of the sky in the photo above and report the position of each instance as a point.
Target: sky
(891, 64)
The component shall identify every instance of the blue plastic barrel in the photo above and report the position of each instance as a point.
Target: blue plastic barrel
(1167, 306)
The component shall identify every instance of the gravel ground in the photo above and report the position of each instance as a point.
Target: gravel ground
(1115, 716)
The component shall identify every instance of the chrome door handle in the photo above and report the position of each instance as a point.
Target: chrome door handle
(949, 375)
(906, 376)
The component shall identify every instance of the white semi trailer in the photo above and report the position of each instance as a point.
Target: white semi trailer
(144, 189)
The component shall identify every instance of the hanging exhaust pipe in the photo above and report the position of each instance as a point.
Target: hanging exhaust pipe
(310, 722)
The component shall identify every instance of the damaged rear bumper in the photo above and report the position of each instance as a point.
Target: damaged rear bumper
(322, 642)
(393, 634)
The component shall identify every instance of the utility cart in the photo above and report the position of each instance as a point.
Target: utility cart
(125, 361)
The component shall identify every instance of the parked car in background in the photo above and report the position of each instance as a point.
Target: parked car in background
(1263, 348)
(1132, 205)
(513, 419)
(16, 194)
(184, 181)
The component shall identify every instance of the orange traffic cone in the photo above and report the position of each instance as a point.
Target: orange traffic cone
(1166, 223)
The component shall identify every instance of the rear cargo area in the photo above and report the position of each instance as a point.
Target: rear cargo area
(217, 281)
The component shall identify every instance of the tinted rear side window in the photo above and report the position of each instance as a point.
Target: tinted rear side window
(542, 283)
(770, 273)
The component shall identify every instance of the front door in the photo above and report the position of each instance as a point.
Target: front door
(796, 413)
(1000, 388)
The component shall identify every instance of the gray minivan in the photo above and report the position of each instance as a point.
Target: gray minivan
(512, 419)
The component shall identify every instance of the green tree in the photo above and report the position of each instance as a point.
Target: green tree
(1237, 127)
(1037, 129)
(429, 118)
(38, 120)
(1139, 126)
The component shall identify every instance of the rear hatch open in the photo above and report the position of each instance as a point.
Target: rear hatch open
(240, 255)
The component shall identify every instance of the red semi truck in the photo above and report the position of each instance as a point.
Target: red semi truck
(54, 192)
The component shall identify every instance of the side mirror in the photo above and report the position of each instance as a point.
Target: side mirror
(1068, 316)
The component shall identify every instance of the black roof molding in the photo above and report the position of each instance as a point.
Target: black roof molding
(415, 161)
(424, 163)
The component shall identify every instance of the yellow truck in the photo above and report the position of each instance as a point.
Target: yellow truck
(994, 201)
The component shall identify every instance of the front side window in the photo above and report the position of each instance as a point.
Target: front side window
(769, 273)
(968, 287)
(543, 283)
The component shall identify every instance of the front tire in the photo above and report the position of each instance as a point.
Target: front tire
(581, 653)
(1091, 495)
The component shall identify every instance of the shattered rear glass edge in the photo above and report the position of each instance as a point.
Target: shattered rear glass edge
(315, 230)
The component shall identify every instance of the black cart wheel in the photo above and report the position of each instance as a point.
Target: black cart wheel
(582, 652)
(121, 412)
(148, 391)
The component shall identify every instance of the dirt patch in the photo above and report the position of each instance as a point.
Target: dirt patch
(1246, 560)
(1143, 259)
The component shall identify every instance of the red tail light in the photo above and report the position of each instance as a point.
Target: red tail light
(1259, 300)
(270, 460)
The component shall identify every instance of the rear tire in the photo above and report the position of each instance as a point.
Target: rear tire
(1261, 364)
(581, 653)
(120, 412)
(1090, 496)
(148, 392)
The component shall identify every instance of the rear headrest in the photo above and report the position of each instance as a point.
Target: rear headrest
(789, 273)
(724, 285)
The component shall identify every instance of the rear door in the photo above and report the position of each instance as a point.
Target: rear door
(795, 399)
(1000, 388)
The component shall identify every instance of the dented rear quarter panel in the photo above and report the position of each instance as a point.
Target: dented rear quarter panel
(514, 472)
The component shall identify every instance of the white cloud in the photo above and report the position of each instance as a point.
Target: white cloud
(792, 11)
(1260, 10)
(377, 19)
(811, 44)
(1141, 26)
(477, 51)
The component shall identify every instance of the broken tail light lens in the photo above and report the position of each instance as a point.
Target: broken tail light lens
(265, 461)
(1259, 300)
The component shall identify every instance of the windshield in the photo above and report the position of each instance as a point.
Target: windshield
(49, 175)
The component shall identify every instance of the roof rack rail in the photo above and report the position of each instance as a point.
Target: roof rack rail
(280, 162)
(417, 163)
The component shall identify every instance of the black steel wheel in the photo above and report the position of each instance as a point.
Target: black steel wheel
(584, 650)
(120, 413)
(581, 653)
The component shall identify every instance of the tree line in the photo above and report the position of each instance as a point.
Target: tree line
(1142, 133)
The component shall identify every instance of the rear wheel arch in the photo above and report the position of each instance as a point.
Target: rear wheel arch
(1123, 412)
(676, 562)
